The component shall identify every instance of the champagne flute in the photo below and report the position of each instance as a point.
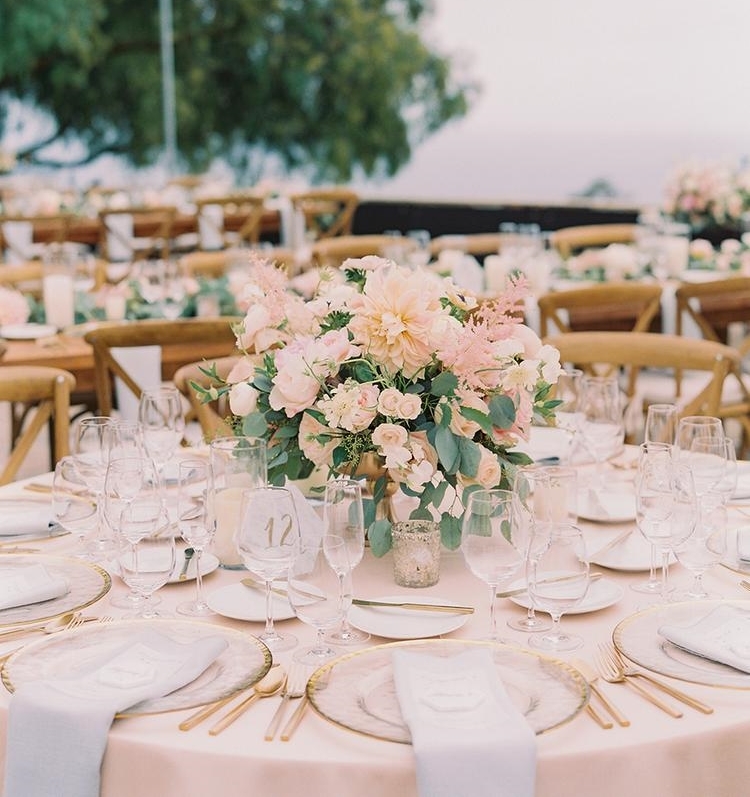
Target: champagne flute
(91, 455)
(162, 424)
(315, 590)
(343, 519)
(147, 552)
(196, 526)
(493, 541)
(266, 538)
(661, 424)
(73, 506)
(557, 572)
(602, 424)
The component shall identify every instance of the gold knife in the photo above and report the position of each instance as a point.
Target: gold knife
(511, 593)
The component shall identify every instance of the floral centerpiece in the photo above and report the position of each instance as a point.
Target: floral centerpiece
(14, 307)
(395, 364)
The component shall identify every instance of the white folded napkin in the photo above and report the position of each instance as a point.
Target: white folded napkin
(742, 490)
(607, 505)
(26, 518)
(33, 584)
(722, 635)
(467, 735)
(57, 728)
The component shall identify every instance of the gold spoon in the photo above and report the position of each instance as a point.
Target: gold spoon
(48, 627)
(271, 684)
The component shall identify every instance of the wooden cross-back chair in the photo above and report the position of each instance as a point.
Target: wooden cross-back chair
(334, 251)
(569, 240)
(46, 392)
(639, 350)
(239, 221)
(119, 229)
(181, 342)
(328, 212)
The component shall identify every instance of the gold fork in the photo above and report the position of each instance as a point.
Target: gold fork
(293, 690)
(631, 672)
(611, 672)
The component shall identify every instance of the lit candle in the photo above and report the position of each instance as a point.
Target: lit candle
(58, 298)
(227, 513)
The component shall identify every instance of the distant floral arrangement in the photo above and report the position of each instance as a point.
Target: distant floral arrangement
(705, 194)
(14, 308)
(395, 364)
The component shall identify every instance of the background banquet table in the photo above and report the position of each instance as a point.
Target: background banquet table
(657, 755)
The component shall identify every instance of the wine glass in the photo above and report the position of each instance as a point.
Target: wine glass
(568, 391)
(701, 445)
(705, 547)
(162, 423)
(727, 485)
(196, 526)
(661, 424)
(91, 455)
(146, 555)
(343, 519)
(317, 580)
(125, 439)
(73, 506)
(666, 504)
(602, 424)
(557, 572)
(266, 538)
(493, 541)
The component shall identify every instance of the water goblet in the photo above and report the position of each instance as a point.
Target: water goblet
(557, 572)
(343, 519)
(146, 555)
(162, 424)
(727, 484)
(317, 579)
(602, 425)
(700, 444)
(266, 538)
(73, 506)
(661, 424)
(493, 541)
(705, 547)
(196, 526)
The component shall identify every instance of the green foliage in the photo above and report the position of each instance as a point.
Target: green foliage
(330, 86)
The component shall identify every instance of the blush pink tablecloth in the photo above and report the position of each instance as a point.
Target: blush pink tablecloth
(694, 756)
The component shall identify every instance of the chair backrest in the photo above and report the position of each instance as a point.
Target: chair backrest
(568, 240)
(713, 306)
(212, 416)
(118, 228)
(187, 338)
(17, 234)
(229, 220)
(328, 212)
(334, 251)
(478, 244)
(639, 350)
(47, 391)
(610, 307)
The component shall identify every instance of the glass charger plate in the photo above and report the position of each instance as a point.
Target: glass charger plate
(637, 637)
(243, 663)
(357, 691)
(88, 583)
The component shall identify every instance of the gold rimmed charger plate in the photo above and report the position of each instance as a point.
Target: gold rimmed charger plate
(356, 691)
(242, 664)
(88, 583)
(637, 637)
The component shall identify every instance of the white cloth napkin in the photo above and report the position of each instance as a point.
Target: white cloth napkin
(25, 519)
(32, 584)
(57, 729)
(467, 735)
(722, 635)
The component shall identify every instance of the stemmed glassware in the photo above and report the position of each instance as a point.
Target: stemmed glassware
(705, 547)
(557, 572)
(701, 445)
(146, 556)
(162, 423)
(343, 519)
(728, 483)
(73, 506)
(266, 538)
(666, 504)
(196, 525)
(493, 541)
(315, 590)
(91, 456)
(568, 391)
(602, 424)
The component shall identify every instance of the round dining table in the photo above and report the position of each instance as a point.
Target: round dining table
(696, 754)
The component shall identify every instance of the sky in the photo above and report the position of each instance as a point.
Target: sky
(574, 90)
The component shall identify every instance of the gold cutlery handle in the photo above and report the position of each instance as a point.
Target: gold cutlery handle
(273, 725)
(421, 607)
(233, 714)
(614, 712)
(597, 717)
(646, 695)
(204, 713)
(676, 693)
(294, 720)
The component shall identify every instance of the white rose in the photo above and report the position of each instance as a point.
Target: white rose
(389, 435)
(243, 399)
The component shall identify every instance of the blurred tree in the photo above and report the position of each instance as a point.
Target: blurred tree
(328, 85)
